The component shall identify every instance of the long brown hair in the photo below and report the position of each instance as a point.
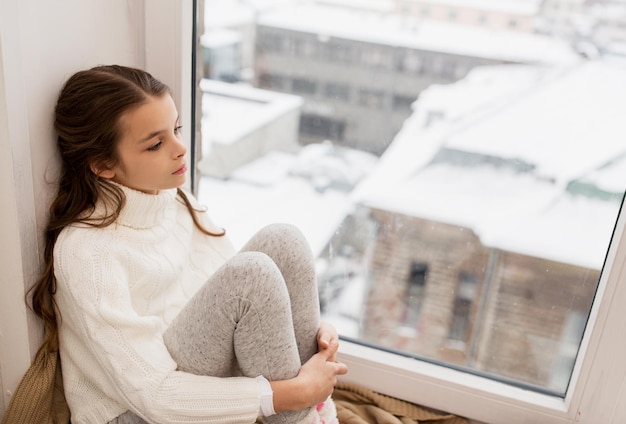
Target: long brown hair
(87, 117)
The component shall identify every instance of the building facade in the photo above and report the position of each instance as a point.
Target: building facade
(437, 292)
(357, 93)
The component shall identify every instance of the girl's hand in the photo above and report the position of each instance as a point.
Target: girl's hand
(327, 336)
(314, 383)
(318, 376)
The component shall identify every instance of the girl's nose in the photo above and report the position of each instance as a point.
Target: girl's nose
(180, 150)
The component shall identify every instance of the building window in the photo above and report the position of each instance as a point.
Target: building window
(304, 86)
(463, 300)
(322, 127)
(371, 98)
(338, 91)
(414, 295)
(273, 81)
(401, 102)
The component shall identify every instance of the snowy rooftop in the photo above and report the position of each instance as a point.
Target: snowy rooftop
(524, 212)
(513, 7)
(219, 38)
(226, 104)
(378, 5)
(265, 192)
(566, 123)
(226, 14)
(569, 124)
(407, 32)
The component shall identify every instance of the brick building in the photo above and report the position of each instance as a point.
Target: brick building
(434, 290)
(485, 237)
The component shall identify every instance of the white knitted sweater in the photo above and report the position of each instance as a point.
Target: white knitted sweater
(118, 288)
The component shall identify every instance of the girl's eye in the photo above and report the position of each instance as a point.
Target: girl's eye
(155, 147)
(178, 129)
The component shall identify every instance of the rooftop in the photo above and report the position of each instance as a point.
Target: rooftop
(403, 31)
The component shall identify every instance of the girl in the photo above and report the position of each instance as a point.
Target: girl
(158, 319)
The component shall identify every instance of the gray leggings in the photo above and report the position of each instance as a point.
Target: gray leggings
(257, 315)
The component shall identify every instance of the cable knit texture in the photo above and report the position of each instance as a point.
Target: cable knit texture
(118, 288)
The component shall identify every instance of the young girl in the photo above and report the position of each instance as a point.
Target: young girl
(158, 319)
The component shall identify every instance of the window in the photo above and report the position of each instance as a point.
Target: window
(461, 244)
(371, 98)
(304, 86)
(274, 81)
(463, 300)
(338, 91)
(322, 127)
(413, 297)
(403, 102)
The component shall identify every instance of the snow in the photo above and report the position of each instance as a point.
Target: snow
(610, 178)
(404, 31)
(220, 38)
(565, 133)
(563, 120)
(523, 112)
(516, 7)
(566, 123)
(244, 208)
(228, 103)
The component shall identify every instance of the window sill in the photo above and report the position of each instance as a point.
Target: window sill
(474, 397)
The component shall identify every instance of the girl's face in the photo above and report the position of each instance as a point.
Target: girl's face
(151, 152)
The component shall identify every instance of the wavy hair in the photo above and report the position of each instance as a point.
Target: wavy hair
(87, 123)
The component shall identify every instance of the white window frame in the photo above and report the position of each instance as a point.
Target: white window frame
(598, 383)
(594, 394)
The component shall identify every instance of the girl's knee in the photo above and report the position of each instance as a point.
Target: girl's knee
(282, 231)
(254, 266)
(251, 260)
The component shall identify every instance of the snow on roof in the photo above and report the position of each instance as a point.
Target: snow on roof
(568, 126)
(220, 37)
(243, 208)
(400, 30)
(378, 5)
(513, 7)
(610, 178)
(226, 104)
(224, 13)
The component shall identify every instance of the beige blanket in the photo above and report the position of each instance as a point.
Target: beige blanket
(359, 405)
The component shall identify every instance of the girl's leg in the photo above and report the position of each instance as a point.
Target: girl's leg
(290, 251)
(242, 321)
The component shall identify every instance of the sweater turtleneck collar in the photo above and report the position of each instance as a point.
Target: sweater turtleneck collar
(144, 210)
(141, 210)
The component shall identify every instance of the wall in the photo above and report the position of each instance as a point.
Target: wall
(41, 44)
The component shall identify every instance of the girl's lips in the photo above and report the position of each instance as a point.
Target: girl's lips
(180, 170)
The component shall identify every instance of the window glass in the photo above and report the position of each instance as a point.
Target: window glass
(459, 182)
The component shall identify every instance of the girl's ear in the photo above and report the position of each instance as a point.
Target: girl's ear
(102, 170)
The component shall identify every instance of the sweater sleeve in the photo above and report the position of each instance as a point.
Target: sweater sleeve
(111, 348)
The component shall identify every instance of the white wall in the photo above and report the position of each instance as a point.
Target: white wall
(41, 44)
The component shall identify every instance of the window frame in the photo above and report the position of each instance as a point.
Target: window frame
(597, 383)
(599, 369)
